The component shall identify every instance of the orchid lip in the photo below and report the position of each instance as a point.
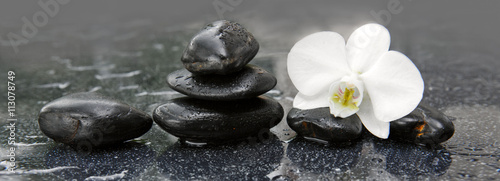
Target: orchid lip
(345, 96)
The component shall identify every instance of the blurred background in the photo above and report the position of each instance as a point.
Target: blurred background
(79, 23)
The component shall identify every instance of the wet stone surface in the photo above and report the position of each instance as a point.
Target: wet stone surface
(250, 82)
(429, 161)
(369, 157)
(124, 161)
(247, 162)
(322, 126)
(126, 50)
(425, 125)
(202, 121)
(320, 158)
(222, 47)
(90, 119)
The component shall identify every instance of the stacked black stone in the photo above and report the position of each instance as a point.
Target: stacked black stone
(224, 102)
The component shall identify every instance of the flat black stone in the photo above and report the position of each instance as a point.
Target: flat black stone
(425, 125)
(320, 125)
(202, 121)
(247, 83)
(221, 47)
(90, 119)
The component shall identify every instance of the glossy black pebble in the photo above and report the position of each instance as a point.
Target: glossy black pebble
(91, 119)
(202, 121)
(221, 47)
(320, 125)
(247, 83)
(425, 125)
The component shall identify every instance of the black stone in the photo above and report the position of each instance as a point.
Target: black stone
(202, 121)
(90, 119)
(318, 124)
(425, 125)
(247, 83)
(222, 47)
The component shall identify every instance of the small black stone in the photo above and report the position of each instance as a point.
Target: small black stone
(247, 83)
(425, 125)
(221, 47)
(203, 121)
(90, 119)
(320, 125)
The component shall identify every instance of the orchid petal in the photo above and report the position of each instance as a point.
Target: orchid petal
(365, 45)
(302, 101)
(316, 61)
(394, 85)
(375, 126)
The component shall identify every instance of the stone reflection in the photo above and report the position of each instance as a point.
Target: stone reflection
(124, 161)
(409, 160)
(317, 158)
(246, 161)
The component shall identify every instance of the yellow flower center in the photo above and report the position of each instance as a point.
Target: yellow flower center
(345, 98)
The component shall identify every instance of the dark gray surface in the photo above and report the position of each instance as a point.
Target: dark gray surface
(125, 49)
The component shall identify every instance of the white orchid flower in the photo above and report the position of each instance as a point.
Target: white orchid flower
(361, 77)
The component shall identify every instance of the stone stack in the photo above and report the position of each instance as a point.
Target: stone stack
(224, 102)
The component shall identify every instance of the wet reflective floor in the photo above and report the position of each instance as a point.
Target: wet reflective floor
(126, 50)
